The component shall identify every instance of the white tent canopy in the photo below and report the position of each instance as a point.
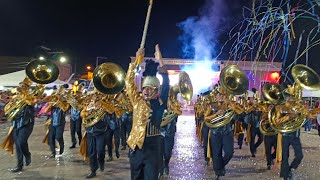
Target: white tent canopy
(308, 93)
(13, 80)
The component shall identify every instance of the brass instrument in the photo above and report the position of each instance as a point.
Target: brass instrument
(60, 95)
(291, 116)
(184, 87)
(108, 78)
(265, 127)
(272, 92)
(233, 81)
(75, 100)
(41, 72)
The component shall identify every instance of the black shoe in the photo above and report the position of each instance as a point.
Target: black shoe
(240, 147)
(217, 177)
(91, 175)
(223, 173)
(117, 154)
(102, 167)
(253, 155)
(123, 148)
(52, 156)
(73, 146)
(166, 171)
(16, 169)
(290, 175)
(28, 160)
(110, 159)
(269, 167)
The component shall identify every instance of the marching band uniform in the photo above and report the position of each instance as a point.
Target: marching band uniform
(205, 130)
(56, 129)
(75, 126)
(239, 129)
(270, 141)
(96, 146)
(167, 142)
(126, 125)
(113, 131)
(96, 135)
(255, 118)
(221, 138)
(287, 140)
(23, 124)
(144, 138)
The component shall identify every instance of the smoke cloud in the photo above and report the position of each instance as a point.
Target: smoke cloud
(200, 34)
(200, 40)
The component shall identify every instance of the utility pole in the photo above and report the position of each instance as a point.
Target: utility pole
(97, 60)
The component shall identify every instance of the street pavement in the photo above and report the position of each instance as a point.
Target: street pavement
(187, 161)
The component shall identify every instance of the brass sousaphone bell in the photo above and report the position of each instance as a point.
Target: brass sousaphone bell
(234, 81)
(108, 78)
(42, 72)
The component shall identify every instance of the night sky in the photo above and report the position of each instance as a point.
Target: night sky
(92, 28)
(86, 29)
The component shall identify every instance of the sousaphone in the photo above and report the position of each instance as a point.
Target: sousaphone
(234, 81)
(108, 78)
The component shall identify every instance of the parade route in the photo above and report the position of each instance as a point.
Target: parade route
(187, 160)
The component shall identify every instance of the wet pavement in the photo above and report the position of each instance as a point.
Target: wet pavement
(187, 161)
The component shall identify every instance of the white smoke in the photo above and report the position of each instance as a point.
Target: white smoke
(200, 40)
(200, 34)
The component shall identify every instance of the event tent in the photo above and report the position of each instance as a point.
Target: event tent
(13, 80)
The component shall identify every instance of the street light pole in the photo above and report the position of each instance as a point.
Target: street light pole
(97, 60)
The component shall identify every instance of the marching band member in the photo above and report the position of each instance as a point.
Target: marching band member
(94, 115)
(22, 124)
(75, 118)
(113, 132)
(292, 138)
(255, 118)
(144, 138)
(126, 125)
(221, 138)
(58, 109)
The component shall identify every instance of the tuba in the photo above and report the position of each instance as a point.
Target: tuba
(293, 117)
(184, 87)
(272, 92)
(108, 78)
(41, 72)
(233, 81)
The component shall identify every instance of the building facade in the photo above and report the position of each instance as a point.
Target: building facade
(258, 73)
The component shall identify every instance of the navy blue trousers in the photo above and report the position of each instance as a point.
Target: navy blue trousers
(255, 131)
(205, 134)
(145, 162)
(296, 144)
(20, 137)
(270, 141)
(96, 150)
(56, 133)
(75, 127)
(113, 134)
(219, 142)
